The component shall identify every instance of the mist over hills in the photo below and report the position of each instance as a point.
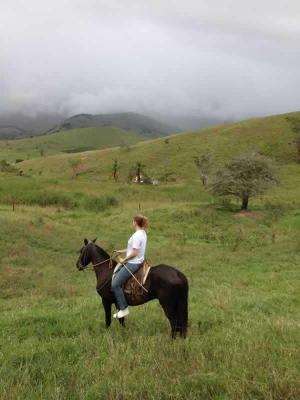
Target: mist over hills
(19, 125)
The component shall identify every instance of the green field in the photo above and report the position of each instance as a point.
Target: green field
(68, 141)
(243, 270)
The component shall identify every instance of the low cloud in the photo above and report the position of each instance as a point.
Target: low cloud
(228, 60)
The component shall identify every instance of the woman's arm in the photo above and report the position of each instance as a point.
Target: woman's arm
(132, 254)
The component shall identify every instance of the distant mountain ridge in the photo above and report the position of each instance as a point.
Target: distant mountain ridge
(145, 126)
(8, 131)
(19, 126)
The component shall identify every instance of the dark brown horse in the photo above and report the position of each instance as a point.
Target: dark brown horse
(164, 283)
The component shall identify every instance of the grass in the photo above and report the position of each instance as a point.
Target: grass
(69, 141)
(243, 271)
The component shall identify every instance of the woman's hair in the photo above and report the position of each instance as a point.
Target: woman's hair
(141, 221)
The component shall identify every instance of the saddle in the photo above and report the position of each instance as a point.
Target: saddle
(134, 289)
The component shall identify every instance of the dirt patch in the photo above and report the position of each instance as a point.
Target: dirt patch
(249, 214)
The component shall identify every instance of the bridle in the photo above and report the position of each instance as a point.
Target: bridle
(88, 267)
(110, 259)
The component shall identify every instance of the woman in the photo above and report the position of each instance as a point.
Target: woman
(135, 255)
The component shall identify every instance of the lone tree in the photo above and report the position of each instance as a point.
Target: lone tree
(203, 163)
(116, 169)
(245, 176)
(139, 169)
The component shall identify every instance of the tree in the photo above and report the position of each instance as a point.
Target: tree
(139, 169)
(203, 163)
(137, 173)
(243, 177)
(115, 169)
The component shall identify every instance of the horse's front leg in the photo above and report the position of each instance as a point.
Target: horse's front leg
(107, 308)
(121, 320)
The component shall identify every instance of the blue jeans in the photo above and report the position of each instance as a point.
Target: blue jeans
(121, 276)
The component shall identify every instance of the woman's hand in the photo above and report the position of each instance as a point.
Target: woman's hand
(119, 251)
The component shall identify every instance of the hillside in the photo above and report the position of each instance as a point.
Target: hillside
(11, 131)
(70, 141)
(272, 136)
(242, 268)
(145, 126)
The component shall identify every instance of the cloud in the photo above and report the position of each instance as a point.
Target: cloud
(226, 59)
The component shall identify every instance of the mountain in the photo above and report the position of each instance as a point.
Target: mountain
(13, 125)
(19, 125)
(146, 126)
(11, 131)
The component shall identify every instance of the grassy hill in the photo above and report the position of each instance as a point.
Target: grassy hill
(242, 268)
(272, 136)
(145, 126)
(70, 141)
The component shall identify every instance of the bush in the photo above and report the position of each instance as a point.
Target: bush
(44, 199)
(98, 204)
(7, 167)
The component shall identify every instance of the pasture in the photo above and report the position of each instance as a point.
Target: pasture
(243, 270)
(67, 141)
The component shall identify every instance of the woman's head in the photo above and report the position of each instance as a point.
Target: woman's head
(140, 221)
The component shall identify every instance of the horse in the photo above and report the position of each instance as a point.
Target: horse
(165, 283)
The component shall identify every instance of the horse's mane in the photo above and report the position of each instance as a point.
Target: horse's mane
(101, 251)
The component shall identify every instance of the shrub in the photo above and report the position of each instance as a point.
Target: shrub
(7, 167)
(204, 165)
(98, 204)
(43, 199)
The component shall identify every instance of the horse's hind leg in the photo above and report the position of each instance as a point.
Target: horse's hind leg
(169, 308)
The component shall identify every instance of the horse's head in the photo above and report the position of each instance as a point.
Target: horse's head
(85, 254)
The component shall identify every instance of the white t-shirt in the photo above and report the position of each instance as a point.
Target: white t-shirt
(137, 241)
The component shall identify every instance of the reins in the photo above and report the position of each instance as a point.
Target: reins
(110, 259)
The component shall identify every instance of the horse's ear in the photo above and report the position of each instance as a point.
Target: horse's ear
(94, 240)
(85, 241)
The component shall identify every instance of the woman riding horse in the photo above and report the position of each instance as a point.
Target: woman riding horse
(135, 256)
(163, 282)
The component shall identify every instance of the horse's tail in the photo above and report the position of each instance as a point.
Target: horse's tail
(182, 306)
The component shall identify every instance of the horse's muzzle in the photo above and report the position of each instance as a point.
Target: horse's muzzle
(79, 266)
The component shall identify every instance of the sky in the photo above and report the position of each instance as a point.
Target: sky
(226, 59)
